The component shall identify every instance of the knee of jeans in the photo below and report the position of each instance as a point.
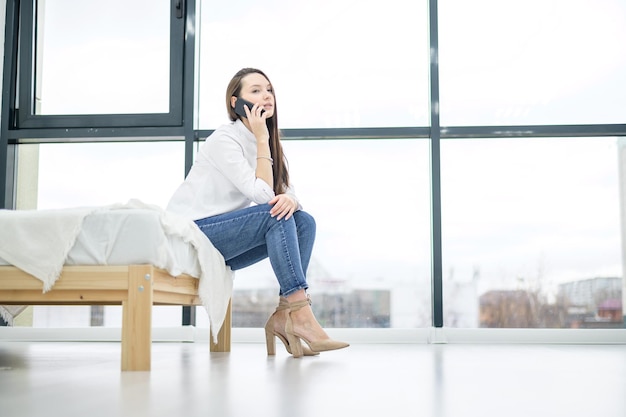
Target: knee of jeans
(304, 219)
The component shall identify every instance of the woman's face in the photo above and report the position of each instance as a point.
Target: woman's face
(258, 90)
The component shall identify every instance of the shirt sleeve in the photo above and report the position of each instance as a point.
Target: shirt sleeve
(228, 157)
(291, 192)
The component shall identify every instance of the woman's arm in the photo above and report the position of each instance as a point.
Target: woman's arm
(258, 126)
(227, 155)
(264, 161)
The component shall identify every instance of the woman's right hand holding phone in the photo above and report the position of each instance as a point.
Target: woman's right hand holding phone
(258, 125)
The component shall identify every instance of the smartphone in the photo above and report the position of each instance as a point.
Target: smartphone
(239, 107)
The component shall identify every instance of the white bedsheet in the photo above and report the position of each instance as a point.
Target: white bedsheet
(131, 236)
(41, 242)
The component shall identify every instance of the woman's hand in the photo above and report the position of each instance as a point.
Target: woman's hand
(257, 120)
(283, 205)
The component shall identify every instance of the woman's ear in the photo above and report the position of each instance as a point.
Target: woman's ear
(233, 100)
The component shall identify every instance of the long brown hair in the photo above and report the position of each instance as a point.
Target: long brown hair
(280, 167)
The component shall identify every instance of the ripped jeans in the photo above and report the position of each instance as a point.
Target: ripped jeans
(247, 236)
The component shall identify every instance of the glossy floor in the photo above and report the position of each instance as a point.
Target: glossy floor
(83, 379)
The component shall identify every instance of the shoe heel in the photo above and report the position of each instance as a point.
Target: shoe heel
(296, 346)
(270, 340)
(294, 341)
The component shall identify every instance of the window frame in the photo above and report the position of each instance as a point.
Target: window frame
(149, 127)
(25, 109)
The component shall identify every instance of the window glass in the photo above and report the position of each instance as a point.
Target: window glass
(531, 232)
(532, 62)
(91, 174)
(339, 63)
(102, 57)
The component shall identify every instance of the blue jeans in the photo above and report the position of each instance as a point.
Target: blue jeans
(247, 236)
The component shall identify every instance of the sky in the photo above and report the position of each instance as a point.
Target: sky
(516, 212)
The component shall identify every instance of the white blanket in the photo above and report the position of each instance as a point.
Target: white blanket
(38, 242)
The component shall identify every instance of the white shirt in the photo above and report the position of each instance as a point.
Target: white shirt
(223, 176)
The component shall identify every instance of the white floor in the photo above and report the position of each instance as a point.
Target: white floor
(83, 379)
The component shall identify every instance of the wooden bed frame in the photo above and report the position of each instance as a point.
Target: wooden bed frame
(136, 287)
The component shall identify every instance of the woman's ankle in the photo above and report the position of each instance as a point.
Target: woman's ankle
(305, 320)
(299, 295)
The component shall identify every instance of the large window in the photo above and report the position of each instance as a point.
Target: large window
(333, 63)
(526, 224)
(115, 63)
(523, 183)
(100, 64)
(532, 62)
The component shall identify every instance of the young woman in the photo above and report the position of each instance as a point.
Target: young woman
(239, 195)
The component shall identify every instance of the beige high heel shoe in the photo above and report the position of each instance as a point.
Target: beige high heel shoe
(294, 338)
(270, 332)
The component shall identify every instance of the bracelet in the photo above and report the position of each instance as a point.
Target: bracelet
(266, 157)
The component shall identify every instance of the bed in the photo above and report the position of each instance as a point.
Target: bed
(134, 255)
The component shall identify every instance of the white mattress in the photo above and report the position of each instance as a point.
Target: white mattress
(131, 236)
(41, 242)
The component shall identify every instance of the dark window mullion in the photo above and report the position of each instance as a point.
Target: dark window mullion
(178, 34)
(435, 137)
(26, 102)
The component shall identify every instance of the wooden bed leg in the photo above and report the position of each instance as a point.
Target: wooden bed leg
(223, 337)
(137, 320)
